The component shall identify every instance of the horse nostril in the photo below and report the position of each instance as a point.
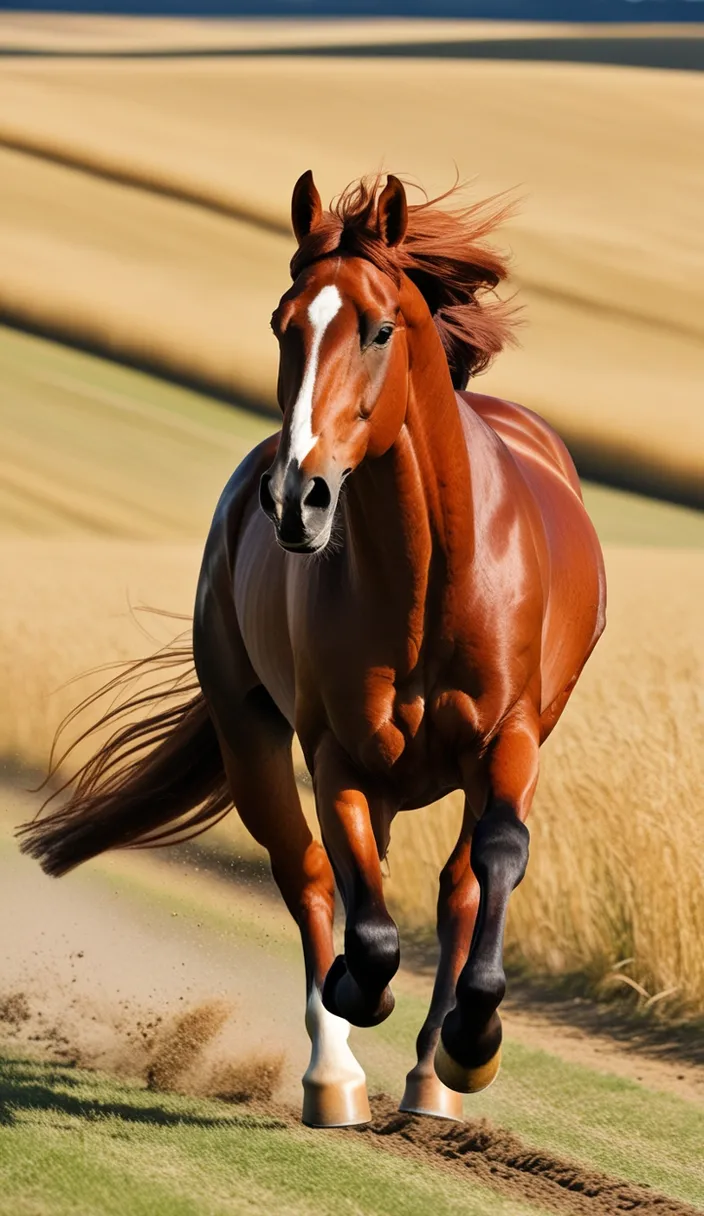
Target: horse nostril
(318, 496)
(266, 498)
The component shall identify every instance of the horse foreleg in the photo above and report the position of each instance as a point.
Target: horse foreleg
(357, 985)
(468, 1053)
(458, 900)
(256, 746)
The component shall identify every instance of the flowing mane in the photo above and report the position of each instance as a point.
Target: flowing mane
(442, 253)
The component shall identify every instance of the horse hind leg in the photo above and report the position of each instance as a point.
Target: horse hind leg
(256, 748)
(468, 1054)
(458, 900)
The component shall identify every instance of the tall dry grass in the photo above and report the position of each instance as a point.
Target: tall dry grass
(616, 888)
(70, 607)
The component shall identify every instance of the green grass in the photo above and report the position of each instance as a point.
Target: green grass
(79, 1142)
(94, 447)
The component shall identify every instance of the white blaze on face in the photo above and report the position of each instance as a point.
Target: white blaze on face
(321, 311)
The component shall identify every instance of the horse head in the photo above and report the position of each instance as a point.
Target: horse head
(343, 371)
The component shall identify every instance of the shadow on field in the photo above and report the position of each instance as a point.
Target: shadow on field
(475, 1150)
(16, 775)
(211, 857)
(632, 1030)
(29, 1085)
(669, 52)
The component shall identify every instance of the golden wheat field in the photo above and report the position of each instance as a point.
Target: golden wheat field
(118, 475)
(159, 230)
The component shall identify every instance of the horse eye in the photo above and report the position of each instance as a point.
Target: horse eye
(383, 335)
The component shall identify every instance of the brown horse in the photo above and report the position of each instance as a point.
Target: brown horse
(405, 576)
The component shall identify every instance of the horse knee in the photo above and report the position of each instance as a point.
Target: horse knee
(317, 876)
(305, 880)
(500, 847)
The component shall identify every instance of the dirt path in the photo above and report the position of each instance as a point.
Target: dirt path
(91, 973)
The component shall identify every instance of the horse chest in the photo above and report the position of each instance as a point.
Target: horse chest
(405, 715)
(393, 731)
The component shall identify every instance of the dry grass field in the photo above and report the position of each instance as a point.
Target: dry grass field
(159, 230)
(115, 478)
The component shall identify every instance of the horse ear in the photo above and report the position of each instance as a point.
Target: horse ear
(392, 212)
(306, 207)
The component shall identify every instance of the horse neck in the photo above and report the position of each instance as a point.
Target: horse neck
(409, 512)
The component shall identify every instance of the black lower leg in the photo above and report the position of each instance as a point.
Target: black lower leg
(471, 1032)
(457, 909)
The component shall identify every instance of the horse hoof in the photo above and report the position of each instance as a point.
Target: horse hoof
(465, 1080)
(342, 1104)
(426, 1095)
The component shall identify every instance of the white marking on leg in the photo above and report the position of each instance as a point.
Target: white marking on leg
(321, 311)
(331, 1060)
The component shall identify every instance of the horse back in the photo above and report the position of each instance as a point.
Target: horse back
(528, 436)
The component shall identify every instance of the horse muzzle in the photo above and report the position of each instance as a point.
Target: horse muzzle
(301, 508)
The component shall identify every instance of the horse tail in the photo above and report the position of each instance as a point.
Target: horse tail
(159, 779)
